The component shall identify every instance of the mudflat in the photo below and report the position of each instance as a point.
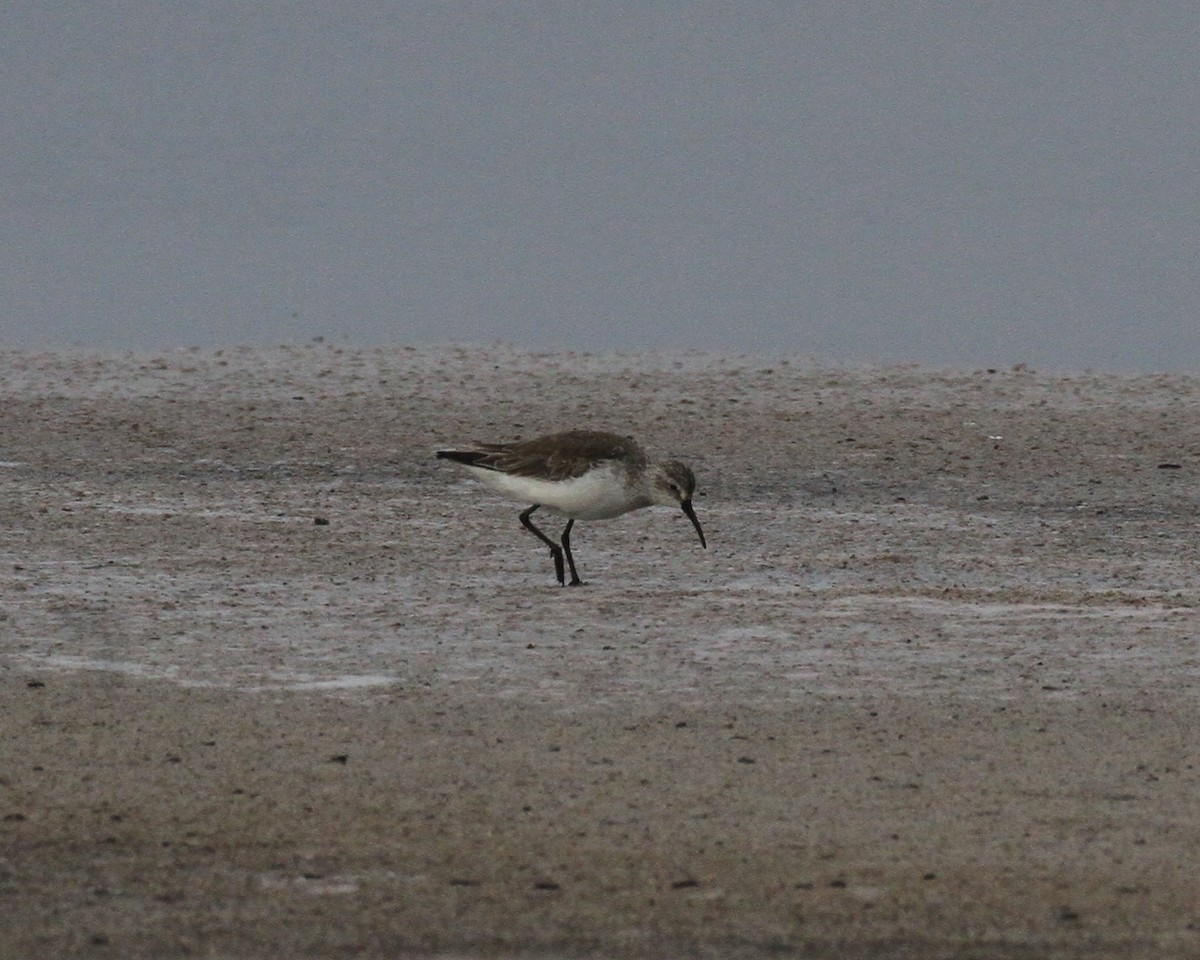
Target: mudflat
(277, 683)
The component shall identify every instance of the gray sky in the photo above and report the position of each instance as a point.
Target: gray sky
(951, 183)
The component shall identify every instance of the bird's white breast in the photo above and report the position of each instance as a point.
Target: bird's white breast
(599, 494)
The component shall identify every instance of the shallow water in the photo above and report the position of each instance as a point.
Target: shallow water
(869, 530)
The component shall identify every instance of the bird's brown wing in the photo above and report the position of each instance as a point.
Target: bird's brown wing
(561, 456)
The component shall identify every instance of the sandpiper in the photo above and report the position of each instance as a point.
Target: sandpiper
(581, 475)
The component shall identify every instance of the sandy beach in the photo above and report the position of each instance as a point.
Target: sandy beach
(277, 683)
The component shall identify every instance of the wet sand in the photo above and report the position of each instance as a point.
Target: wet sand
(279, 684)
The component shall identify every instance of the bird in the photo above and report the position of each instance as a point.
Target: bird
(580, 475)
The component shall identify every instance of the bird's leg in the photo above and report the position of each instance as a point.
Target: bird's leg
(555, 549)
(566, 542)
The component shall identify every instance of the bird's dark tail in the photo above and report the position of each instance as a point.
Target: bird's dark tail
(471, 458)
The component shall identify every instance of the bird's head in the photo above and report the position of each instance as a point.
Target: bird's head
(673, 486)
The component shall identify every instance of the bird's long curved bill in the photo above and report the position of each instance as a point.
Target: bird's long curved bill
(691, 515)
